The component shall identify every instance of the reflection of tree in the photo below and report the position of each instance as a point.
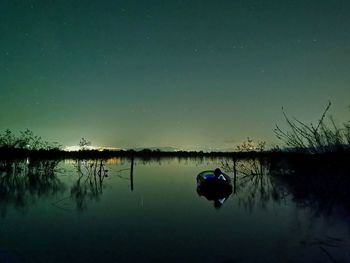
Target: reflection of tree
(254, 185)
(321, 183)
(24, 181)
(89, 185)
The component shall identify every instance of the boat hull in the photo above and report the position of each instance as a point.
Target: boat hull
(213, 188)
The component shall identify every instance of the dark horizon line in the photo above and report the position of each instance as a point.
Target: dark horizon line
(13, 153)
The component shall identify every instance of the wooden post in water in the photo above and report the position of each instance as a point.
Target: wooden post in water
(100, 173)
(132, 174)
(234, 175)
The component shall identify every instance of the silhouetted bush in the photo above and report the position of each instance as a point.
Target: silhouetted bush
(27, 140)
(325, 136)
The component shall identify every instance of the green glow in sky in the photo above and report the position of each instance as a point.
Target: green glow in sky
(187, 74)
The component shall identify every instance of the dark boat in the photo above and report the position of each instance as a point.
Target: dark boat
(215, 186)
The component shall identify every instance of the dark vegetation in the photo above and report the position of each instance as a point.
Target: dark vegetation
(323, 138)
(313, 170)
(313, 166)
(27, 140)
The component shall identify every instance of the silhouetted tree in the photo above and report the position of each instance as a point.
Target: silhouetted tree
(26, 140)
(84, 144)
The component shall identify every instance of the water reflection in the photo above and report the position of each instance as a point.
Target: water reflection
(132, 174)
(256, 182)
(318, 184)
(215, 186)
(279, 207)
(321, 183)
(253, 184)
(22, 182)
(89, 185)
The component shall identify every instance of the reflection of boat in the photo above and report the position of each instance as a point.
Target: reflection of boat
(214, 185)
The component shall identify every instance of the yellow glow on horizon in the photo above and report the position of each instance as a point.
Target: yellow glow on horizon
(74, 148)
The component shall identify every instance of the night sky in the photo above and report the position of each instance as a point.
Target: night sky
(187, 74)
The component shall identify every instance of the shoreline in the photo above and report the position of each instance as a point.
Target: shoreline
(14, 153)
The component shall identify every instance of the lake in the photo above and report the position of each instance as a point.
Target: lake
(122, 210)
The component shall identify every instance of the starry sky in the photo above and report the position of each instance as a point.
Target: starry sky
(181, 73)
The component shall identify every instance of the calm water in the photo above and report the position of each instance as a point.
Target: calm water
(80, 212)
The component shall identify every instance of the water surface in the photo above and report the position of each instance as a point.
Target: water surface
(96, 210)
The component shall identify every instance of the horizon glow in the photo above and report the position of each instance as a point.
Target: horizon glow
(183, 74)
